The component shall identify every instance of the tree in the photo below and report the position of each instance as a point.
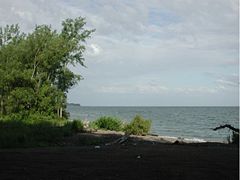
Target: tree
(235, 132)
(34, 67)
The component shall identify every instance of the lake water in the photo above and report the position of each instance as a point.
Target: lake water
(186, 122)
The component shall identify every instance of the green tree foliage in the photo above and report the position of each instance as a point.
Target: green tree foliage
(34, 67)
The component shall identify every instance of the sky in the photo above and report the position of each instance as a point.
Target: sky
(147, 52)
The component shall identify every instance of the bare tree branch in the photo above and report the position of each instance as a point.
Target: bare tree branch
(226, 126)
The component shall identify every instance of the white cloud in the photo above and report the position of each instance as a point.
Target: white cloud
(133, 88)
(94, 50)
(229, 81)
(152, 89)
(197, 90)
(148, 89)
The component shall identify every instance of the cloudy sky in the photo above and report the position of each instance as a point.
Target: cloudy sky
(147, 52)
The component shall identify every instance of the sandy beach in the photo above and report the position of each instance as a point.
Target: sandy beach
(134, 159)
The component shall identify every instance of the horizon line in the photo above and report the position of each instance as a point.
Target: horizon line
(153, 105)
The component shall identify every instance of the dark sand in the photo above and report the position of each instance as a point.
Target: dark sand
(132, 160)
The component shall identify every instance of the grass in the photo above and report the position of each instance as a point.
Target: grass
(44, 131)
(75, 126)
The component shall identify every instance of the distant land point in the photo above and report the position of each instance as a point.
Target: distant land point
(73, 104)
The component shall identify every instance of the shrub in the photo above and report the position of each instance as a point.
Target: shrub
(138, 126)
(77, 126)
(92, 125)
(108, 123)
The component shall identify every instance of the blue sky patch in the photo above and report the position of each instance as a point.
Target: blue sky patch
(161, 17)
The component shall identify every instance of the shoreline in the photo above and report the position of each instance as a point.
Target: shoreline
(159, 138)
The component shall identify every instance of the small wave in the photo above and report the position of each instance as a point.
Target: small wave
(188, 140)
(195, 140)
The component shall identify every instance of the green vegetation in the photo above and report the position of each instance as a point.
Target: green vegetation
(76, 126)
(37, 130)
(108, 123)
(34, 72)
(138, 126)
(40, 132)
(34, 82)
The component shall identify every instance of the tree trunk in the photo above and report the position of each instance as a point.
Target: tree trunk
(34, 70)
(2, 108)
(35, 63)
(57, 112)
(60, 113)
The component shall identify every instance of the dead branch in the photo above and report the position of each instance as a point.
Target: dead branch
(120, 140)
(227, 126)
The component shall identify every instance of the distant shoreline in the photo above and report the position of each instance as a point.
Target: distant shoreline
(75, 104)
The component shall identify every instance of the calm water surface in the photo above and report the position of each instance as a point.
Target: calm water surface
(186, 122)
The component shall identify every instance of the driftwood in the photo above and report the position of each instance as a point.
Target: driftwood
(227, 126)
(120, 140)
